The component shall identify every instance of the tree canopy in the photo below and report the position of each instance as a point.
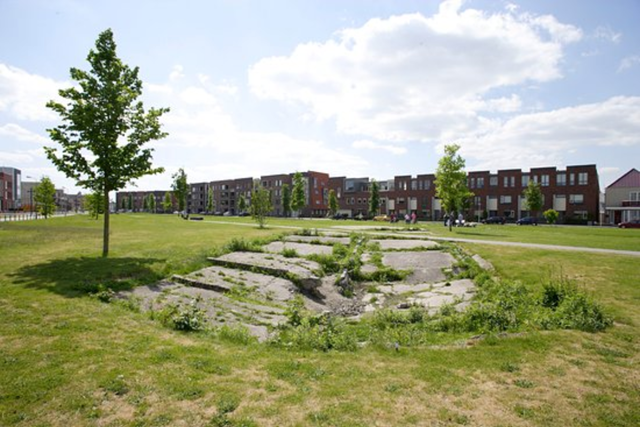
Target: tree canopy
(374, 198)
(260, 203)
(104, 127)
(298, 198)
(167, 203)
(180, 188)
(286, 200)
(333, 202)
(533, 196)
(45, 197)
(451, 180)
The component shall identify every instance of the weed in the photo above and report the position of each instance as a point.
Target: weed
(239, 244)
(290, 253)
(235, 334)
(183, 318)
(522, 383)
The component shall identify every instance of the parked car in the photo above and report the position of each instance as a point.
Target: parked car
(494, 220)
(341, 216)
(634, 223)
(381, 218)
(527, 220)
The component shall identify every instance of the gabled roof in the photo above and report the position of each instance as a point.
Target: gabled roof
(629, 179)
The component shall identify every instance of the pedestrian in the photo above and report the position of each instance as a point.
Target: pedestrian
(413, 217)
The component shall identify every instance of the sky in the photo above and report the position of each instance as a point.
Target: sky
(353, 88)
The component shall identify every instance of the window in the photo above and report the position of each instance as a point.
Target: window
(414, 184)
(576, 199)
(634, 196)
(480, 182)
(583, 178)
(493, 181)
(505, 200)
(572, 179)
(525, 180)
(544, 180)
(561, 179)
(505, 181)
(472, 183)
(512, 180)
(427, 184)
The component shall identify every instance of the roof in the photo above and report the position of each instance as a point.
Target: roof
(629, 179)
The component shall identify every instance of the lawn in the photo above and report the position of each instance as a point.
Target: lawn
(68, 359)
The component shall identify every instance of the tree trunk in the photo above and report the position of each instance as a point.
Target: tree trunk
(105, 229)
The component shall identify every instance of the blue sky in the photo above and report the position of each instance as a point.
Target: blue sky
(355, 88)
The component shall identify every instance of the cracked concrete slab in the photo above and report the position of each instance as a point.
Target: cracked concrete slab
(405, 244)
(302, 249)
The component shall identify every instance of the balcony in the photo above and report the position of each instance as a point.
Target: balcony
(630, 203)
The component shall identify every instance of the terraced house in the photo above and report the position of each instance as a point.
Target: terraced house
(573, 191)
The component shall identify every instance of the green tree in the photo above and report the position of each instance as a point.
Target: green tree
(551, 215)
(451, 181)
(260, 204)
(94, 205)
(167, 203)
(298, 199)
(211, 204)
(151, 204)
(333, 202)
(374, 198)
(130, 202)
(45, 197)
(533, 196)
(180, 188)
(242, 204)
(145, 204)
(124, 203)
(105, 127)
(286, 200)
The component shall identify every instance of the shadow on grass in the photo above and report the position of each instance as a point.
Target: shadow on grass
(77, 276)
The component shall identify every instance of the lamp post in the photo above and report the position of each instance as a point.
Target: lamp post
(31, 198)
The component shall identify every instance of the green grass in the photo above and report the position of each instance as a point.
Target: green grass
(67, 359)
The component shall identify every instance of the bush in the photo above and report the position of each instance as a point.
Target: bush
(183, 318)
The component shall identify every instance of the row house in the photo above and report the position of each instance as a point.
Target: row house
(622, 198)
(316, 194)
(227, 194)
(352, 194)
(135, 200)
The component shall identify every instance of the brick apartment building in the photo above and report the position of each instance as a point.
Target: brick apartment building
(138, 198)
(574, 192)
(10, 189)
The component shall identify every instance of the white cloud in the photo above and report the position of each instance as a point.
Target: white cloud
(24, 95)
(542, 139)
(177, 73)
(628, 62)
(412, 77)
(370, 145)
(17, 132)
(607, 34)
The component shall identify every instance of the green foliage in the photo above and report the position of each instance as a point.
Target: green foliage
(45, 197)
(211, 204)
(298, 198)
(93, 204)
(183, 318)
(242, 204)
(167, 203)
(286, 200)
(239, 244)
(260, 204)
(374, 198)
(333, 202)
(451, 180)
(180, 188)
(104, 126)
(322, 332)
(236, 334)
(290, 253)
(551, 215)
(151, 203)
(533, 196)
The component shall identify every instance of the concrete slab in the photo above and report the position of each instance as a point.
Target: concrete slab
(405, 244)
(327, 240)
(302, 249)
(483, 263)
(277, 265)
(274, 288)
(427, 266)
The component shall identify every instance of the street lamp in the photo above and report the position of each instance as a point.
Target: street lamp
(30, 197)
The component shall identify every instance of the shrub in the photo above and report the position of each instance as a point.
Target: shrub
(183, 318)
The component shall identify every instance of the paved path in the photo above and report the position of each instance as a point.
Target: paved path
(462, 240)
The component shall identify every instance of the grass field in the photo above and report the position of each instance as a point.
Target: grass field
(68, 359)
